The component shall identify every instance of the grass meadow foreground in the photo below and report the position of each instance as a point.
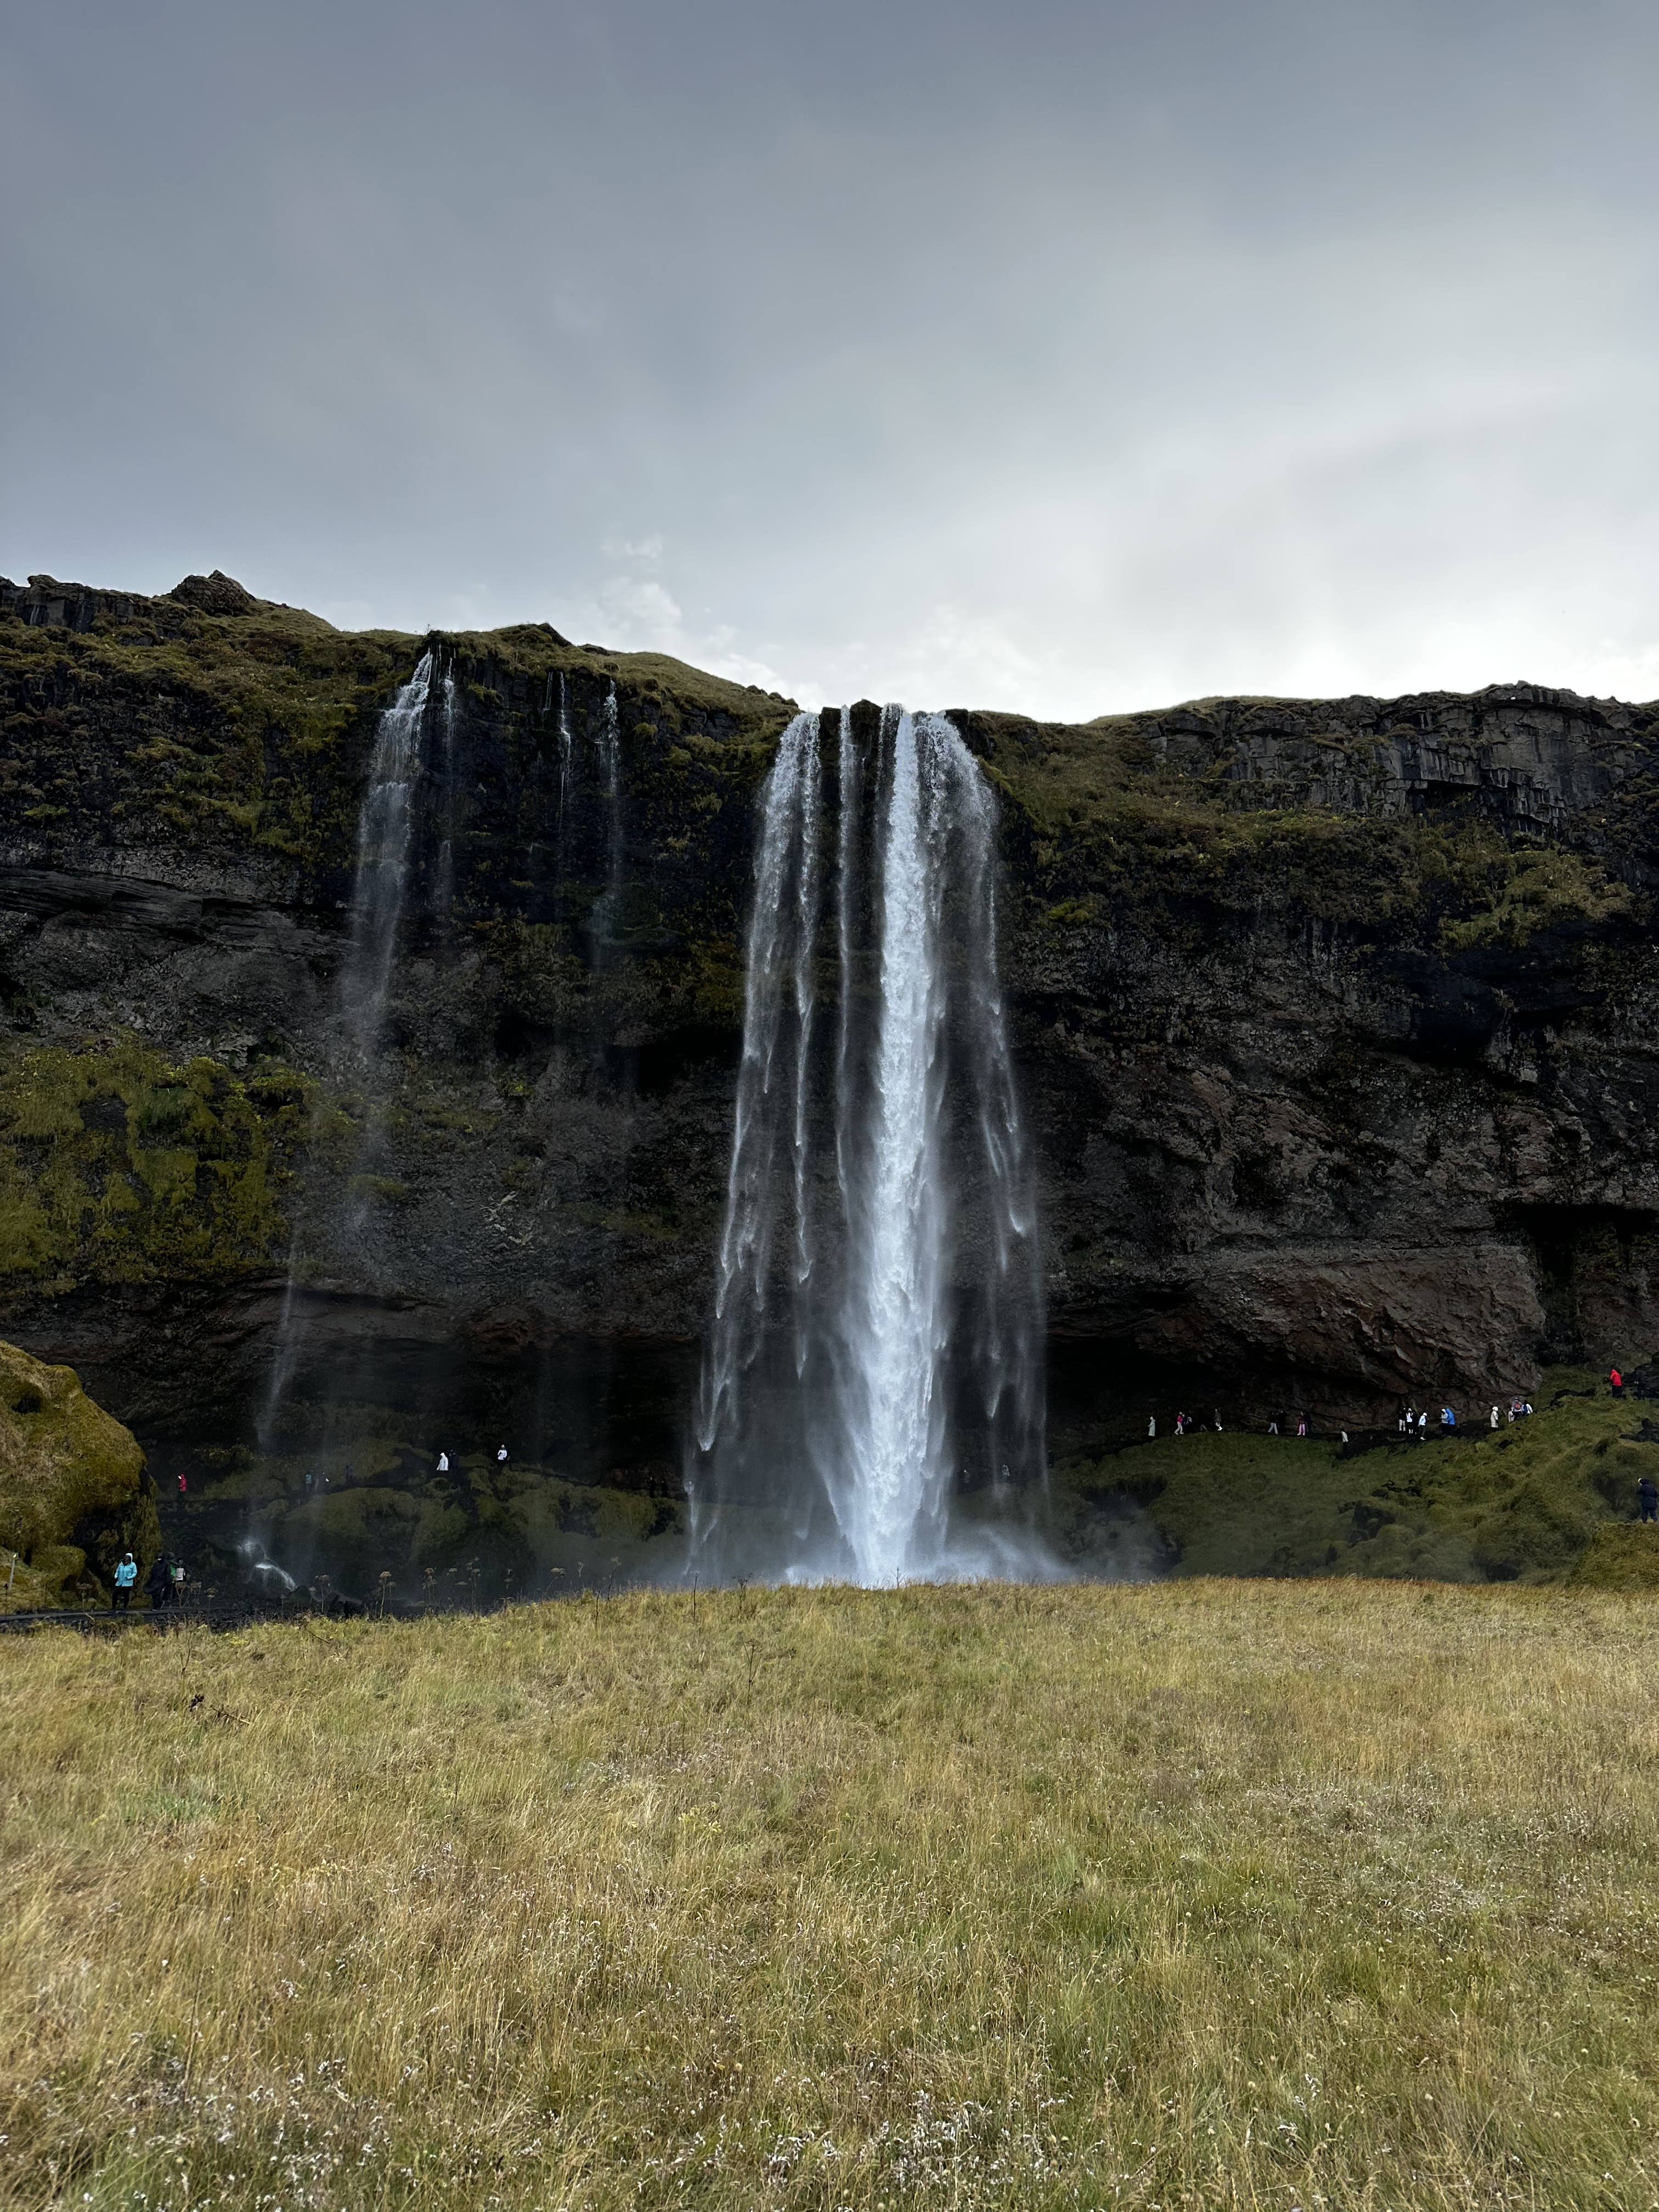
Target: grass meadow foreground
(1210, 1893)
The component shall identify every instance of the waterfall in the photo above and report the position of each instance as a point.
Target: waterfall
(871, 1375)
(444, 895)
(607, 913)
(564, 755)
(385, 835)
(386, 826)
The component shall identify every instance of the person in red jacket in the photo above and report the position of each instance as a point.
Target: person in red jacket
(1618, 1382)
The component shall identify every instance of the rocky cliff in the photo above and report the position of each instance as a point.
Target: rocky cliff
(1336, 1024)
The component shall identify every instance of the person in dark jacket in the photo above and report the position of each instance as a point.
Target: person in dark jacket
(158, 1584)
(1648, 1491)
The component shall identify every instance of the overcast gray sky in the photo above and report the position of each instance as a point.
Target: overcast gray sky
(1049, 355)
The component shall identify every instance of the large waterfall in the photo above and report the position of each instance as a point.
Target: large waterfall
(871, 1403)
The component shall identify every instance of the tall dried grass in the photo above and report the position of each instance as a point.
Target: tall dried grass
(1232, 1895)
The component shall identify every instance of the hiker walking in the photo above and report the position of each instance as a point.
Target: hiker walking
(1423, 1426)
(1302, 1425)
(157, 1586)
(1152, 1425)
(126, 1574)
(1447, 1421)
(443, 1463)
(501, 1456)
(1494, 1416)
(1647, 1490)
(1617, 1380)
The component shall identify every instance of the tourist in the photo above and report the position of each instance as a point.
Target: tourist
(501, 1456)
(1302, 1425)
(1618, 1382)
(1181, 1424)
(1151, 1430)
(183, 1485)
(1411, 1420)
(1272, 1428)
(1447, 1421)
(159, 1584)
(1217, 1421)
(1648, 1491)
(1404, 1421)
(1494, 1416)
(443, 1463)
(1423, 1426)
(176, 1576)
(126, 1574)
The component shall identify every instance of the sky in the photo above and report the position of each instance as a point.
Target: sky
(1061, 357)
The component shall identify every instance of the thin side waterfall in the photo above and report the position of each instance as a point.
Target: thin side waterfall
(385, 836)
(385, 825)
(871, 1402)
(607, 914)
(444, 896)
(564, 754)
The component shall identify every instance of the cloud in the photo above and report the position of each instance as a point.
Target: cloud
(1069, 358)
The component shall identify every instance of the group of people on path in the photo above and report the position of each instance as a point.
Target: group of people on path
(163, 1585)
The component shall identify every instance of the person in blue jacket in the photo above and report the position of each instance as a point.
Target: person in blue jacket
(126, 1577)
(1448, 1420)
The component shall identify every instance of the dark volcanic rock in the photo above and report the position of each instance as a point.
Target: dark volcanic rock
(217, 594)
(1336, 1026)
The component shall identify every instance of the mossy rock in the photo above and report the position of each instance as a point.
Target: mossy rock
(74, 1494)
(1622, 1556)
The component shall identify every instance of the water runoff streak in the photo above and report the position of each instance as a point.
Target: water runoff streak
(385, 842)
(871, 1405)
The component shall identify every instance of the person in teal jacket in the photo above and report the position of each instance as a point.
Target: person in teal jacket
(126, 1576)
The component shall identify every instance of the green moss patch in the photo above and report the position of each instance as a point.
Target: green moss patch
(118, 1165)
(1527, 1502)
(73, 1491)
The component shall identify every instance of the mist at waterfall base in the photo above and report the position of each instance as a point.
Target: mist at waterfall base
(872, 1402)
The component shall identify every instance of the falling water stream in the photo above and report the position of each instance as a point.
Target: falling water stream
(385, 825)
(872, 1364)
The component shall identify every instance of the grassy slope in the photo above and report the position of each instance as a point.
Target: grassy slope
(1521, 1503)
(1205, 1894)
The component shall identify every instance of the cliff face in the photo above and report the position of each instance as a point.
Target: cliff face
(1335, 1023)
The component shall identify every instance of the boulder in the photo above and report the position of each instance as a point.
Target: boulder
(74, 1494)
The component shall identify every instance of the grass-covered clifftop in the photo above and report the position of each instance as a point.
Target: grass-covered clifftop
(1212, 1894)
(156, 718)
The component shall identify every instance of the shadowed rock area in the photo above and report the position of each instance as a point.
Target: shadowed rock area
(1334, 1023)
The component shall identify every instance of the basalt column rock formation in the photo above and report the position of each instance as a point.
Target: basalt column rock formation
(1334, 1025)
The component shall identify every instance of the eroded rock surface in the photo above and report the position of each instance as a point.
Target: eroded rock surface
(1335, 1022)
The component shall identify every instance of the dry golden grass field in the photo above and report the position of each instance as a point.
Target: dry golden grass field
(1241, 1893)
